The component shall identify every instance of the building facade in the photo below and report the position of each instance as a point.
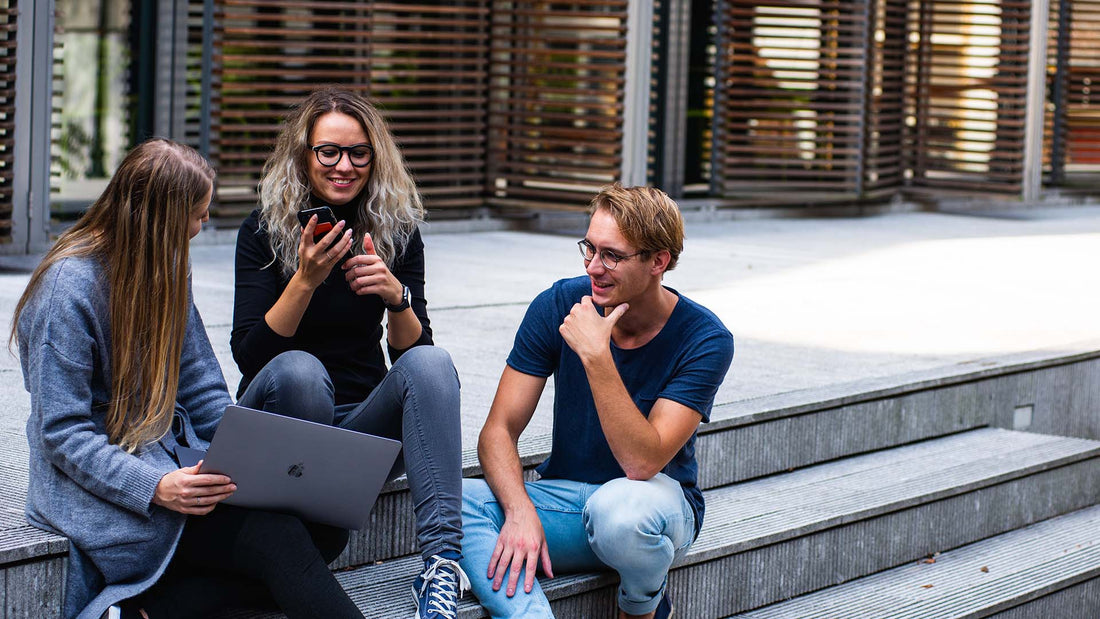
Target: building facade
(507, 106)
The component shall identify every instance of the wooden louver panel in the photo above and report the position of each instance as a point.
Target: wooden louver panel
(8, 15)
(968, 89)
(423, 63)
(792, 86)
(193, 107)
(883, 170)
(1081, 108)
(1054, 115)
(429, 72)
(556, 101)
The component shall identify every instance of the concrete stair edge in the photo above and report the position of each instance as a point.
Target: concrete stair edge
(990, 576)
(386, 585)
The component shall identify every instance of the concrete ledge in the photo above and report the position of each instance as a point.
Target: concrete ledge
(1045, 570)
(32, 589)
(776, 538)
(755, 410)
(763, 436)
(23, 543)
(1080, 600)
(746, 440)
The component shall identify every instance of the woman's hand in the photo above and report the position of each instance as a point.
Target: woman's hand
(368, 274)
(315, 260)
(188, 491)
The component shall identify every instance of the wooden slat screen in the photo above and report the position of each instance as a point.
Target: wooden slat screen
(424, 63)
(429, 71)
(883, 170)
(8, 14)
(1054, 142)
(657, 129)
(969, 89)
(792, 86)
(556, 100)
(1082, 81)
(193, 108)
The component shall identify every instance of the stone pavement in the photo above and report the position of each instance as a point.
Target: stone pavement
(811, 302)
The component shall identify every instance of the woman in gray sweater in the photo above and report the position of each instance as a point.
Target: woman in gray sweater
(120, 372)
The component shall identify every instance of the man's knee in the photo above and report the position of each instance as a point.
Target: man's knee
(623, 515)
(614, 510)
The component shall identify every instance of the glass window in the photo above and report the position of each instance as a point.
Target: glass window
(92, 103)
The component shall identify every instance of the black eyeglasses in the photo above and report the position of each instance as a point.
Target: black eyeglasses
(608, 258)
(328, 155)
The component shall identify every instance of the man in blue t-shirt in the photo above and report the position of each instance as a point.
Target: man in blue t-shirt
(636, 366)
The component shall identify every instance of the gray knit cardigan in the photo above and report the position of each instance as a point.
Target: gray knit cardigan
(81, 486)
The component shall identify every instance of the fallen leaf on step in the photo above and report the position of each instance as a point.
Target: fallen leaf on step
(926, 586)
(985, 569)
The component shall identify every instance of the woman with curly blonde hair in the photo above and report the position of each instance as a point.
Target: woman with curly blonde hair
(309, 311)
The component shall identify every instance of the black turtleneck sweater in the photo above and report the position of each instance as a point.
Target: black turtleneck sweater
(342, 329)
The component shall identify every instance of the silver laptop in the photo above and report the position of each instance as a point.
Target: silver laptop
(317, 472)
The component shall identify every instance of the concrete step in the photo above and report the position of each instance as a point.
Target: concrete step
(782, 536)
(751, 440)
(32, 561)
(746, 440)
(786, 535)
(1049, 569)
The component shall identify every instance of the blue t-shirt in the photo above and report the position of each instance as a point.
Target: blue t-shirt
(686, 363)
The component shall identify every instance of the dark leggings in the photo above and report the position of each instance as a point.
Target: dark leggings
(235, 557)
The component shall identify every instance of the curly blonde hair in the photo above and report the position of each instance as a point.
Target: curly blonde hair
(390, 207)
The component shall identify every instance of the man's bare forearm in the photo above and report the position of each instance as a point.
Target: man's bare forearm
(499, 456)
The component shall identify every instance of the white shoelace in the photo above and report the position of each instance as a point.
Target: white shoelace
(443, 590)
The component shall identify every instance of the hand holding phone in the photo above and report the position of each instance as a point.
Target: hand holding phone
(325, 220)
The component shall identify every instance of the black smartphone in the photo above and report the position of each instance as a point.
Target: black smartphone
(325, 220)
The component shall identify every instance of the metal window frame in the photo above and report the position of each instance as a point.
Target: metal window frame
(31, 161)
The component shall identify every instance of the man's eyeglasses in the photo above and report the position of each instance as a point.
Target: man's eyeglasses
(328, 155)
(608, 258)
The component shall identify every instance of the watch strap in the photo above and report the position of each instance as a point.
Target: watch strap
(403, 305)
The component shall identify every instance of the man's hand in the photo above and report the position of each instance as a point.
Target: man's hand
(520, 545)
(188, 491)
(586, 331)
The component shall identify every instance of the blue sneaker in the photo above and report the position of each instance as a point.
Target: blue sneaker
(438, 588)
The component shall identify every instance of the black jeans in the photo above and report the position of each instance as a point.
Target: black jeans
(235, 557)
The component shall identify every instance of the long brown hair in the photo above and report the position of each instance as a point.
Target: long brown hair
(138, 230)
(390, 208)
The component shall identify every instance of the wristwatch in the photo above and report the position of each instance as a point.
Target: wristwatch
(403, 305)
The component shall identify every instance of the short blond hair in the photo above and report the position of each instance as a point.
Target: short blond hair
(646, 216)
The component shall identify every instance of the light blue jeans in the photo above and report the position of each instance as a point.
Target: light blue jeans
(417, 402)
(637, 528)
